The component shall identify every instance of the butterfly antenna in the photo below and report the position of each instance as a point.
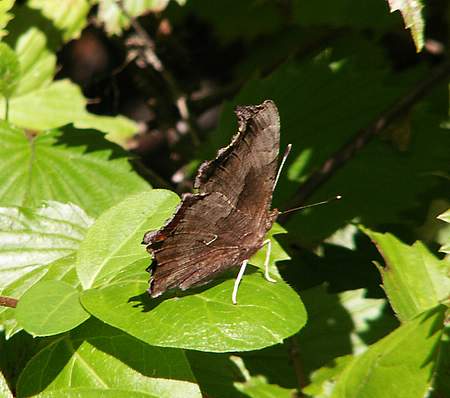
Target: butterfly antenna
(337, 197)
(283, 161)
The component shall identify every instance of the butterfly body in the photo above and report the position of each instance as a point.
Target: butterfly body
(224, 223)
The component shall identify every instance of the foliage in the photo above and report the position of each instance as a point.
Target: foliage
(80, 184)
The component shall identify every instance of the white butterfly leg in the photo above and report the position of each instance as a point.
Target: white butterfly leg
(268, 242)
(238, 281)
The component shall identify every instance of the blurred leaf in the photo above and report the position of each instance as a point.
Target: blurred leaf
(76, 166)
(97, 360)
(5, 392)
(70, 16)
(5, 16)
(38, 102)
(324, 379)
(403, 362)
(266, 312)
(257, 387)
(9, 70)
(49, 308)
(62, 269)
(412, 15)
(115, 20)
(445, 217)
(414, 279)
(114, 241)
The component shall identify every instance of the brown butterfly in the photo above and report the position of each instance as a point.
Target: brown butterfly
(225, 222)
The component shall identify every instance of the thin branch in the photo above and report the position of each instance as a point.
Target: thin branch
(294, 356)
(363, 137)
(151, 58)
(8, 302)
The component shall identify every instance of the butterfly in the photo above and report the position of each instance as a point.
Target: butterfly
(225, 222)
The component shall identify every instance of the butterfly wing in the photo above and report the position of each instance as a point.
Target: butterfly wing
(187, 255)
(245, 171)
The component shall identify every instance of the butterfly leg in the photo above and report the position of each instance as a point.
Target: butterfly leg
(268, 242)
(238, 281)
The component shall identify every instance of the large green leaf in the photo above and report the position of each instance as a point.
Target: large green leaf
(400, 365)
(31, 238)
(257, 387)
(49, 308)
(413, 278)
(112, 261)
(97, 360)
(114, 241)
(69, 165)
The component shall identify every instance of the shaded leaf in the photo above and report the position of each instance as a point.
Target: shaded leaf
(412, 15)
(414, 279)
(9, 70)
(98, 360)
(85, 169)
(49, 308)
(404, 361)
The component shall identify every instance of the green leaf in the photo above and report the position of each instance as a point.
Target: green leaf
(114, 241)
(445, 217)
(97, 360)
(31, 238)
(403, 362)
(257, 387)
(412, 15)
(5, 16)
(62, 269)
(201, 319)
(30, 242)
(414, 279)
(49, 308)
(115, 20)
(69, 16)
(69, 165)
(9, 70)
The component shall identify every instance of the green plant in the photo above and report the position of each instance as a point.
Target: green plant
(364, 122)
